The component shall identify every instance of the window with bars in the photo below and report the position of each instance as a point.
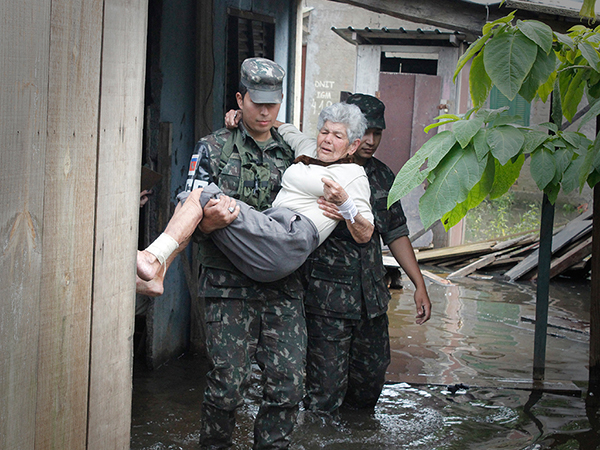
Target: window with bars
(517, 107)
(249, 35)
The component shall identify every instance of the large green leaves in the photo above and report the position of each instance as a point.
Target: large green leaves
(538, 32)
(544, 66)
(411, 175)
(464, 130)
(505, 142)
(474, 198)
(543, 167)
(479, 81)
(484, 153)
(508, 58)
(455, 176)
(506, 175)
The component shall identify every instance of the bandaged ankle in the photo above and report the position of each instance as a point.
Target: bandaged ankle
(163, 247)
(348, 210)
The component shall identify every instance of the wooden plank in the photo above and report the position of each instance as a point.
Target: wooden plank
(560, 239)
(459, 250)
(119, 156)
(570, 258)
(69, 195)
(481, 262)
(505, 250)
(436, 278)
(24, 42)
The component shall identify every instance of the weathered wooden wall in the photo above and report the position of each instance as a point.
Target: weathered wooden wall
(71, 98)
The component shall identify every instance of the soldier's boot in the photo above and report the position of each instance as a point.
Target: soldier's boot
(216, 428)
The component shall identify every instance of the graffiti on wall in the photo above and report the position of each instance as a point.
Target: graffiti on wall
(323, 96)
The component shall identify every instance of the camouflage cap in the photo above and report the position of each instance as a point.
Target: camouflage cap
(263, 78)
(371, 107)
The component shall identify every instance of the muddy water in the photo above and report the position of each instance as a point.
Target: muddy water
(461, 381)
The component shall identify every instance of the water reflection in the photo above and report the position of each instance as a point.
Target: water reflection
(461, 381)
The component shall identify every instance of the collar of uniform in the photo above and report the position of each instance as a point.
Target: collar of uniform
(274, 134)
(242, 137)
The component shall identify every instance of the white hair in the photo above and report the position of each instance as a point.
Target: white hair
(347, 114)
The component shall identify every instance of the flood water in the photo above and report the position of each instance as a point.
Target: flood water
(461, 381)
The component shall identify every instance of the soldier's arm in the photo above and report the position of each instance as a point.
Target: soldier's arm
(403, 252)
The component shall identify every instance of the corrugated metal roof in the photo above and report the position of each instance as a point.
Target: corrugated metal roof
(400, 36)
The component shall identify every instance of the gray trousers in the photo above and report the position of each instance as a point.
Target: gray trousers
(265, 246)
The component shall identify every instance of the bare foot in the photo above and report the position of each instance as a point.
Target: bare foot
(152, 288)
(147, 265)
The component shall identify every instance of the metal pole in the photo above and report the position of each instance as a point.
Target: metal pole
(543, 288)
(594, 375)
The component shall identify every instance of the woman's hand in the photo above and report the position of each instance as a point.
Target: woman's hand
(232, 118)
(333, 192)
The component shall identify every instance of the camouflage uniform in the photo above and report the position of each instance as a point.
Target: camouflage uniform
(348, 340)
(248, 321)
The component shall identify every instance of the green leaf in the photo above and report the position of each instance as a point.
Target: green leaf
(503, 20)
(482, 148)
(551, 126)
(562, 157)
(508, 58)
(505, 176)
(447, 116)
(590, 54)
(470, 53)
(456, 175)
(565, 40)
(538, 32)
(533, 139)
(552, 191)
(437, 124)
(543, 167)
(593, 179)
(475, 197)
(546, 88)
(505, 142)
(411, 175)
(571, 138)
(570, 179)
(591, 114)
(573, 93)
(464, 130)
(556, 109)
(593, 85)
(479, 81)
(587, 10)
(587, 166)
(544, 66)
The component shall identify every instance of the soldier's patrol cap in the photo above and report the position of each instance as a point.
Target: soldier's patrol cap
(371, 107)
(263, 78)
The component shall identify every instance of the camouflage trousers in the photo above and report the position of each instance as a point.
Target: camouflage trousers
(346, 362)
(239, 332)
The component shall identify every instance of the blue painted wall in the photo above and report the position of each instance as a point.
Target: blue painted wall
(171, 311)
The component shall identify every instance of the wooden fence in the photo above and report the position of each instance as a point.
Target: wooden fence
(71, 115)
